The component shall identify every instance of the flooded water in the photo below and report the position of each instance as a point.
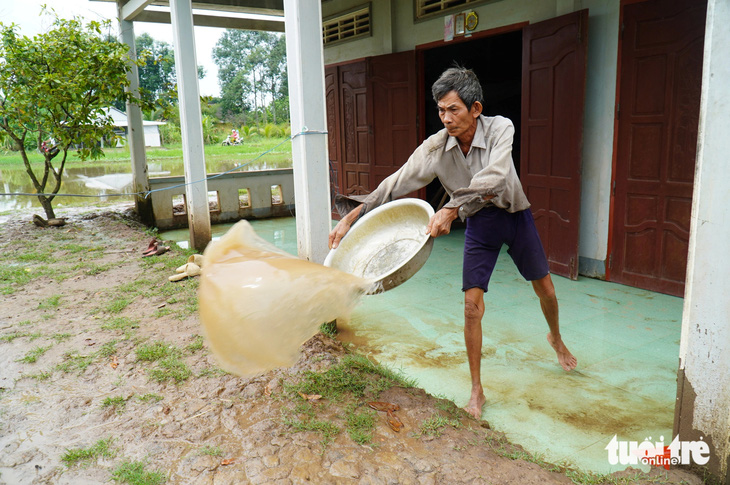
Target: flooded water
(259, 304)
(103, 179)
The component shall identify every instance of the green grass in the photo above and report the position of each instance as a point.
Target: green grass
(108, 349)
(196, 345)
(329, 329)
(13, 277)
(353, 378)
(39, 376)
(32, 356)
(100, 449)
(35, 257)
(155, 351)
(434, 425)
(150, 398)
(60, 337)
(134, 473)
(50, 302)
(118, 304)
(75, 361)
(9, 337)
(171, 369)
(118, 403)
(212, 372)
(120, 323)
(325, 429)
(93, 269)
(355, 375)
(360, 425)
(210, 451)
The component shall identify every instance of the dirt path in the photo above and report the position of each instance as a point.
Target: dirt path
(104, 376)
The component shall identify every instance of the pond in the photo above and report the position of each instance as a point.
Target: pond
(99, 180)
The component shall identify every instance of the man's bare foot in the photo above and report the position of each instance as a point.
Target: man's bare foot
(565, 358)
(477, 401)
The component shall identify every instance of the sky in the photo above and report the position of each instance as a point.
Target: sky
(26, 14)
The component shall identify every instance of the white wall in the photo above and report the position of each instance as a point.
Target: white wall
(705, 343)
(402, 34)
(380, 23)
(152, 136)
(598, 124)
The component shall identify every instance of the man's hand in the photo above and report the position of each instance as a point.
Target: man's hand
(342, 227)
(338, 233)
(440, 223)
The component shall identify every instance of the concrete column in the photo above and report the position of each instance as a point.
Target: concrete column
(135, 137)
(703, 387)
(303, 22)
(191, 123)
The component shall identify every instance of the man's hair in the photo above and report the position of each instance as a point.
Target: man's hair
(461, 80)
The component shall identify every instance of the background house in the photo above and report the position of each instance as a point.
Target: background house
(151, 129)
(611, 189)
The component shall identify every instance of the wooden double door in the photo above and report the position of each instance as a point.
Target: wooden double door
(658, 113)
(371, 118)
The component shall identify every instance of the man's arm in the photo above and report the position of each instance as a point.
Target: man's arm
(413, 175)
(343, 226)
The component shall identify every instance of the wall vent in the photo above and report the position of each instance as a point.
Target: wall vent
(351, 25)
(429, 8)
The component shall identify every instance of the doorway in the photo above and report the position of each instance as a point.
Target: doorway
(497, 62)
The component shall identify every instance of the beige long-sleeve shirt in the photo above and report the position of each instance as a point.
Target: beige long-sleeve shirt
(486, 170)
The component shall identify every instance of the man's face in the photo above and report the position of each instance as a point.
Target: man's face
(456, 117)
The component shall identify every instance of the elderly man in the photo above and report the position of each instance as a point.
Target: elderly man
(472, 157)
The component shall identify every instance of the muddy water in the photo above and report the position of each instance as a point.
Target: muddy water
(259, 304)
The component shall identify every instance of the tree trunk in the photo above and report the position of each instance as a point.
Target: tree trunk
(273, 100)
(255, 100)
(46, 204)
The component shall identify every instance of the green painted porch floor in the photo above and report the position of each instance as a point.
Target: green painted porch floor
(626, 341)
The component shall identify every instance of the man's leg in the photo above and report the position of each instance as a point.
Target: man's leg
(549, 303)
(473, 312)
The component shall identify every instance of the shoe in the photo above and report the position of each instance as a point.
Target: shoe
(152, 248)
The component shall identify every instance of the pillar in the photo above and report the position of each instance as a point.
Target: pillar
(135, 136)
(191, 124)
(303, 22)
(703, 386)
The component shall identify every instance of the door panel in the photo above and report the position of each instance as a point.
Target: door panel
(371, 118)
(333, 128)
(553, 90)
(392, 92)
(661, 71)
(354, 135)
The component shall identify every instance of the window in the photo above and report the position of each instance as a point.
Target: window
(214, 204)
(277, 195)
(179, 207)
(244, 198)
(351, 25)
(429, 8)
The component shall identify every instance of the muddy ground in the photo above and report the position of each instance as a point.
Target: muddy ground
(104, 376)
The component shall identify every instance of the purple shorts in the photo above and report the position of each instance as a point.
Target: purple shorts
(486, 232)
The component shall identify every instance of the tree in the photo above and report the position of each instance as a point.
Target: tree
(157, 73)
(252, 67)
(157, 79)
(54, 89)
(275, 69)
